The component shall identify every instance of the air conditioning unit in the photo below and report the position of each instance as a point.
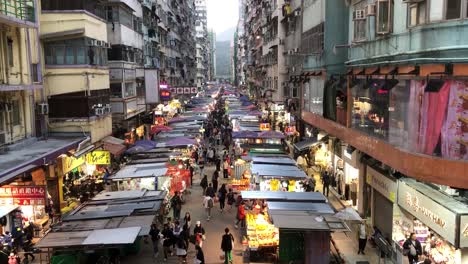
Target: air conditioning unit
(107, 45)
(296, 50)
(359, 14)
(281, 41)
(99, 111)
(370, 10)
(297, 13)
(43, 109)
(107, 108)
(92, 42)
(99, 43)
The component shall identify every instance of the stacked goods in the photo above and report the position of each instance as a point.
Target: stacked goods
(260, 232)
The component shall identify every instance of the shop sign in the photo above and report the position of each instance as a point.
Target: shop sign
(98, 157)
(464, 231)
(22, 195)
(69, 163)
(186, 90)
(382, 184)
(435, 216)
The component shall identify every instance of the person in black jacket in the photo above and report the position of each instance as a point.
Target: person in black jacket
(222, 197)
(210, 191)
(154, 233)
(227, 245)
(412, 248)
(200, 257)
(168, 240)
(204, 183)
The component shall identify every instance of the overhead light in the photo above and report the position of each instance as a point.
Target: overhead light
(83, 151)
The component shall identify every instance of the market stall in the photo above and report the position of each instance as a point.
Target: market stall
(278, 177)
(142, 176)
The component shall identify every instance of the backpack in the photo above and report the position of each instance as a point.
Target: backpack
(210, 203)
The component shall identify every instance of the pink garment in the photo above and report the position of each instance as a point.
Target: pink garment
(454, 134)
(434, 110)
(414, 114)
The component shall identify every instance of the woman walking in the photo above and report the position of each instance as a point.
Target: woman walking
(222, 197)
(230, 199)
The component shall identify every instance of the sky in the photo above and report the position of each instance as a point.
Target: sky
(222, 14)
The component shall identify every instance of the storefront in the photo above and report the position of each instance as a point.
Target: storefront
(435, 218)
(382, 192)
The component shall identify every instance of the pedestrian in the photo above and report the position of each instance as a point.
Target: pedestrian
(187, 219)
(230, 199)
(204, 184)
(28, 251)
(181, 250)
(199, 257)
(199, 233)
(222, 197)
(192, 171)
(240, 215)
(208, 204)
(176, 203)
(218, 163)
(226, 168)
(154, 233)
(201, 166)
(227, 243)
(362, 236)
(167, 241)
(412, 248)
(13, 258)
(210, 191)
(214, 180)
(326, 183)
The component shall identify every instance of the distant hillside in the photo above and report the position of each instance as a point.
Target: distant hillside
(226, 35)
(223, 58)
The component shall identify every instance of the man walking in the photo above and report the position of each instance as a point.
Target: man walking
(326, 183)
(227, 245)
(176, 204)
(208, 204)
(154, 233)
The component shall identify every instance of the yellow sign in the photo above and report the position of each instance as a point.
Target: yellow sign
(98, 157)
(69, 163)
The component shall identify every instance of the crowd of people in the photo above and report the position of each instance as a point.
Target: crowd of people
(12, 243)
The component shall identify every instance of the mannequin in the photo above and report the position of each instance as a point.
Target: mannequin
(353, 191)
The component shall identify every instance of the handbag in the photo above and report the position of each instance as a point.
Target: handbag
(406, 251)
(197, 261)
(203, 237)
(221, 256)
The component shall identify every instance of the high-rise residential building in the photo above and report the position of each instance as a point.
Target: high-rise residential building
(212, 52)
(240, 47)
(203, 62)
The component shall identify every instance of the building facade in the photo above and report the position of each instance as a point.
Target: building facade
(212, 54)
(203, 56)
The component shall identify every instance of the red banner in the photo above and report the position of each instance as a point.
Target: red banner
(23, 192)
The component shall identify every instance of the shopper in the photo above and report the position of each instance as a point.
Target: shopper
(326, 183)
(176, 204)
(412, 248)
(210, 191)
(187, 219)
(362, 237)
(154, 233)
(199, 233)
(214, 180)
(227, 243)
(204, 184)
(241, 215)
(181, 250)
(167, 241)
(199, 257)
(226, 168)
(230, 199)
(222, 197)
(13, 259)
(208, 204)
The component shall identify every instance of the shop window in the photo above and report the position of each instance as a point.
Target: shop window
(16, 114)
(417, 13)
(384, 16)
(359, 22)
(453, 9)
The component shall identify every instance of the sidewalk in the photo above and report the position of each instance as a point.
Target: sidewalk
(347, 243)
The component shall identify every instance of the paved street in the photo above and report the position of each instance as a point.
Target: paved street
(214, 230)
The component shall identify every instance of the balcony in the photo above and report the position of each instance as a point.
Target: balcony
(70, 24)
(18, 13)
(123, 35)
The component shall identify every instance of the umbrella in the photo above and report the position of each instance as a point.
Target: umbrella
(136, 149)
(157, 129)
(271, 134)
(348, 214)
(146, 143)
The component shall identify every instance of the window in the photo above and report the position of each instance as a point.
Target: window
(453, 9)
(312, 40)
(417, 14)
(10, 52)
(60, 55)
(384, 16)
(69, 55)
(16, 115)
(35, 72)
(116, 90)
(129, 90)
(359, 22)
(74, 52)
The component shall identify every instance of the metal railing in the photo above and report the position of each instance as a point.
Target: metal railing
(21, 9)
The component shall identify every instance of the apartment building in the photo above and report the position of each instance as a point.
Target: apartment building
(203, 56)
(212, 54)
(240, 47)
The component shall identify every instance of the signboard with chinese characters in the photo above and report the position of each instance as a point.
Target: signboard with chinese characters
(22, 195)
(194, 90)
(98, 157)
(382, 184)
(180, 90)
(432, 214)
(186, 90)
(69, 163)
(463, 231)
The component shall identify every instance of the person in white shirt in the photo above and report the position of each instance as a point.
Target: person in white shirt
(362, 237)
(208, 204)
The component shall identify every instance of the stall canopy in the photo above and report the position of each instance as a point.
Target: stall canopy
(305, 144)
(157, 129)
(114, 145)
(6, 209)
(310, 197)
(278, 170)
(273, 160)
(271, 134)
(140, 171)
(304, 220)
(244, 134)
(178, 142)
(315, 208)
(348, 214)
